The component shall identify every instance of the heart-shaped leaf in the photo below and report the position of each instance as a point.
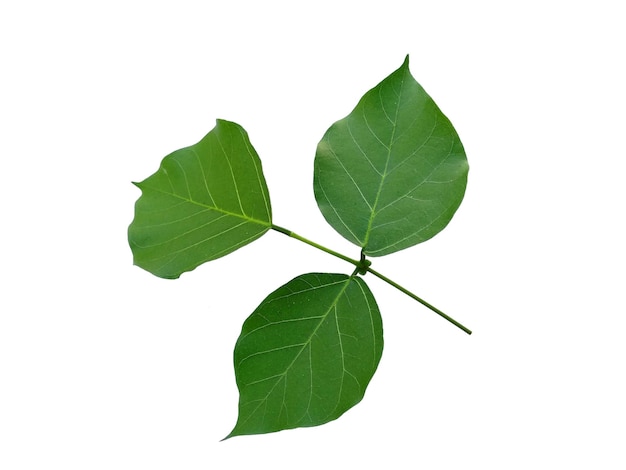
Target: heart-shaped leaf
(307, 353)
(204, 202)
(393, 172)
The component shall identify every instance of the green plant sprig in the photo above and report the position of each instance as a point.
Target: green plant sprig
(388, 176)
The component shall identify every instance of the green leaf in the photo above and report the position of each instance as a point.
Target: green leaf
(393, 172)
(307, 353)
(204, 202)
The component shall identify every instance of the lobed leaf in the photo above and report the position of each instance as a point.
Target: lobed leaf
(307, 353)
(393, 172)
(204, 202)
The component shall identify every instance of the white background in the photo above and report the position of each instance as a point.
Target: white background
(104, 366)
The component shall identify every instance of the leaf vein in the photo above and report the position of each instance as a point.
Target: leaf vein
(356, 185)
(232, 173)
(204, 177)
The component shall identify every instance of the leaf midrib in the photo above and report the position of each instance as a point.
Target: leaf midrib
(214, 208)
(385, 172)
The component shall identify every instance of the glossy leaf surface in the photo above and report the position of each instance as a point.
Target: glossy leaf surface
(393, 172)
(307, 353)
(204, 202)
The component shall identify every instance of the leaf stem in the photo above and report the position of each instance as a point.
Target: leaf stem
(363, 266)
(291, 234)
(421, 301)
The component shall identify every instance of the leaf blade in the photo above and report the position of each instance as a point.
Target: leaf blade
(194, 209)
(393, 172)
(307, 353)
